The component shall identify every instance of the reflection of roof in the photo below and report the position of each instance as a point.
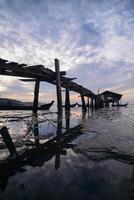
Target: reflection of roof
(111, 94)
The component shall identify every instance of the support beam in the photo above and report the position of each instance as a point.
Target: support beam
(83, 102)
(67, 100)
(92, 102)
(36, 96)
(8, 141)
(88, 102)
(58, 87)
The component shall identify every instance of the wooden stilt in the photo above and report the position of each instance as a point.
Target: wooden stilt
(83, 103)
(36, 96)
(88, 103)
(58, 87)
(92, 102)
(8, 141)
(67, 116)
(67, 100)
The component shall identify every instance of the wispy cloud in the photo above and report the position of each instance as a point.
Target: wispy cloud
(94, 40)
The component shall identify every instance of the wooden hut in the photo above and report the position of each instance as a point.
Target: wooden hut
(108, 97)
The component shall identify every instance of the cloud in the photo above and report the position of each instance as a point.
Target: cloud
(94, 40)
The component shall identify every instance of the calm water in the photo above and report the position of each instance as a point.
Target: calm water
(84, 156)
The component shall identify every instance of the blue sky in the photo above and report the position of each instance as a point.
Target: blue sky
(93, 39)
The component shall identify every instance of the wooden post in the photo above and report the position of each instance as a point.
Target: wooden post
(88, 103)
(67, 100)
(58, 87)
(92, 102)
(8, 140)
(83, 102)
(36, 96)
(67, 117)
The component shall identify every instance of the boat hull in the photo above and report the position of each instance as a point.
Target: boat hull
(43, 107)
(120, 105)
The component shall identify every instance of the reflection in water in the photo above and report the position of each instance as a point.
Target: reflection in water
(40, 153)
(84, 169)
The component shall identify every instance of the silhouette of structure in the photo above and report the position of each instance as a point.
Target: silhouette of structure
(39, 73)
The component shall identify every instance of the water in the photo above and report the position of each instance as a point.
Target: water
(91, 158)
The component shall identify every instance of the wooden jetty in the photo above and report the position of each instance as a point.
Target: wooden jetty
(39, 73)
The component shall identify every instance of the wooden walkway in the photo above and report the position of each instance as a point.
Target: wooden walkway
(40, 73)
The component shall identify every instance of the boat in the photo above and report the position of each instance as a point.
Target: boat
(11, 104)
(120, 104)
(71, 105)
(80, 105)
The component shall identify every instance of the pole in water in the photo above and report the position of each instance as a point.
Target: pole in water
(8, 141)
(36, 96)
(83, 102)
(67, 100)
(58, 87)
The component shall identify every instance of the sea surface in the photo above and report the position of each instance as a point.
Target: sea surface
(78, 156)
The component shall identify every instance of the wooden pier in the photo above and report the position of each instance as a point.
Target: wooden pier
(39, 73)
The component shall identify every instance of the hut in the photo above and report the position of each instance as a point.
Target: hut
(108, 97)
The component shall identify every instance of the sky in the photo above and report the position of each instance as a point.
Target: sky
(93, 39)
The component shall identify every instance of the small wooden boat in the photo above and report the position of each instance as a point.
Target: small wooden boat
(26, 107)
(80, 105)
(71, 105)
(119, 105)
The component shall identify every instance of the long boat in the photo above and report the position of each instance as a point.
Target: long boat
(80, 105)
(26, 107)
(118, 105)
(71, 105)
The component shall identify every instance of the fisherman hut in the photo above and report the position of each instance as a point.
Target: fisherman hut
(108, 97)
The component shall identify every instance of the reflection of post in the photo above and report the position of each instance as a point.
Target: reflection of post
(36, 133)
(67, 100)
(59, 133)
(84, 114)
(36, 96)
(133, 174)
(57, 159)
(83, 102)
(59, 125)
(58, 87)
